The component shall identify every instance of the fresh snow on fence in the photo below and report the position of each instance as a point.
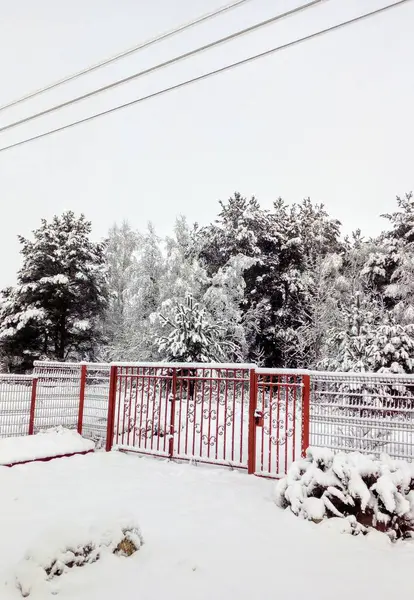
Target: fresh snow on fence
(369, 413)
(46, 444)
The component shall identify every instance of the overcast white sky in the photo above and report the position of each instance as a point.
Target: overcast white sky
(331, 119)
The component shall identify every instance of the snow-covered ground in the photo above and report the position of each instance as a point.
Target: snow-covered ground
(46, 444)
(209, 533)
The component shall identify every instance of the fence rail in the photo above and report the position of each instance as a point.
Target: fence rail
(230, 414)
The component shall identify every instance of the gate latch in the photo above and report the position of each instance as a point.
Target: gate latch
(258, 418)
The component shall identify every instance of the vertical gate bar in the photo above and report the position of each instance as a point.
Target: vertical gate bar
(165, 401)
(218, 410)
(181, 381)
(111, 408)
(203, 388)
(32, 406)
(142, 377)
(130, 420)
(287, 390)
(159, 426)
(124, 403)
(263, 406)
(226, 393)
(295, 395)
(152, 376)
(242, 374)
(195, 414)
(136, 380)
(157, 380)
(172, 414)
(270, 422)
(210, 395)
(190, 388)
(279, 381)
(251, 460)
(81, 397)
(234, 421)
(118, 402)
(305, 413)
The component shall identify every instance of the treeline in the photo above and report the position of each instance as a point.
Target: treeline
(280, 287)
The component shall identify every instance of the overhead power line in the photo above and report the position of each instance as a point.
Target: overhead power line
(128, 52)
(210, 73)
(163, 65)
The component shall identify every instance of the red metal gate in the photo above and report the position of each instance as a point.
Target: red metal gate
(223, 414)
(188, 412)
(282, 420)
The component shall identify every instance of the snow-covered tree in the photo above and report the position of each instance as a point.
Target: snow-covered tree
(56, 307)
(187, 333)
(224, 300)
(143, 298)
(121, 256)
(393, 347)
(183, 273)
(350, 347)
(122, 247)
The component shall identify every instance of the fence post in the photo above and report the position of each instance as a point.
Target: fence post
(81, 397)
(172, 413)
(32, 406)
(251, 456)
(111, 408)
(305, 413)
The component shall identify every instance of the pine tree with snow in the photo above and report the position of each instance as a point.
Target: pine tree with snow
(56, 307)
(224, 300)
(351, 348)
(393, 347)
(186, 333)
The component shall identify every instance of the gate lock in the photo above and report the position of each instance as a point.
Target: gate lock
(258, 418)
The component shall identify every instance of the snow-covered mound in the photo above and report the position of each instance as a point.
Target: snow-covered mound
(45, 444)
(368, 492)
(73, 545)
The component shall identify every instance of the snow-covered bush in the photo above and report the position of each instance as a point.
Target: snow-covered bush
(368, 492)
(74, 545)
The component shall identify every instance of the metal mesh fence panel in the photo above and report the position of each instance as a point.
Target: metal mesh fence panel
(57, 398)
(368, 413)
(95, 411)
(15, 401)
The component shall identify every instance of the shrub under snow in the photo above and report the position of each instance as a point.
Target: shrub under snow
(368, 492)
(74, 545)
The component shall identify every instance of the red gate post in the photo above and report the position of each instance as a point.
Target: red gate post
(32, 406)
(305, 413)
(172, 414)
(251, 456)
(111, 408)
(81, 397)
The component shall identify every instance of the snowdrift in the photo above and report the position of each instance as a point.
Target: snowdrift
(45, 445)
(366, 492)
(70, 546)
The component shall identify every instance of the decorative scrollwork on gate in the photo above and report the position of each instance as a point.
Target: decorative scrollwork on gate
(210, 414)
(209, 441)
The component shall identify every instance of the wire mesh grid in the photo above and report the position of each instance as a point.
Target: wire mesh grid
(57, 398)
(15, 401)
(95, 411)
(364, 413)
